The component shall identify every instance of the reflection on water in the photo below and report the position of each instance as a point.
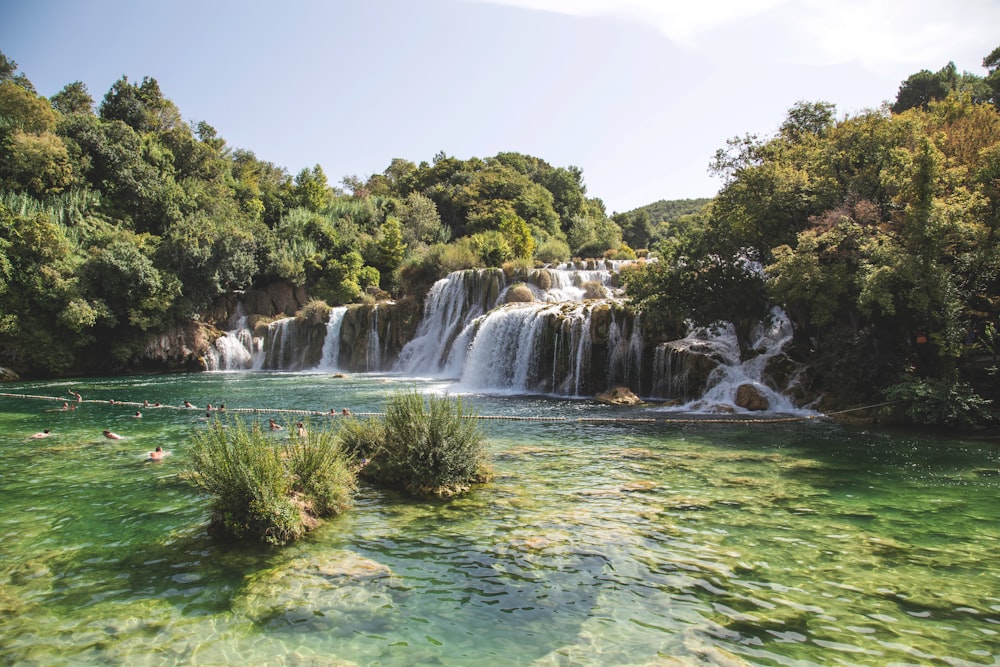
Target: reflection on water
(597, 543)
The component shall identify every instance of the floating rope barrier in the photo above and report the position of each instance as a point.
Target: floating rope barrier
(583, 420)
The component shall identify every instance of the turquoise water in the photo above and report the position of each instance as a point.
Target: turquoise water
(598, 543)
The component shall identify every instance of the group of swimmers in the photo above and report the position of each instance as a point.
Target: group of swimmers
(158, 454)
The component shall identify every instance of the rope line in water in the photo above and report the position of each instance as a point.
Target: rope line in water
(609, 419)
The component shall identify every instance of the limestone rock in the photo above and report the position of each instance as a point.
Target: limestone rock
(749, 397)
(618, 396)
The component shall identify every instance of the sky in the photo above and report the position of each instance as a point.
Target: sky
(639, 94)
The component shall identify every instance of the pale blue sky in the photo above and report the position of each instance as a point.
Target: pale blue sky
(637, 93)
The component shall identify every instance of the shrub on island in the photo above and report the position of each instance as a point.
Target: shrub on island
(426, 447)
(269, 490)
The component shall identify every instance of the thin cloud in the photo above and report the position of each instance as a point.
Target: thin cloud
(880, 35)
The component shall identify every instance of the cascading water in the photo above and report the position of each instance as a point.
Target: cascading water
(544, 345)
(718, 344)
(331, 344)
(561, 330)
(236, 348)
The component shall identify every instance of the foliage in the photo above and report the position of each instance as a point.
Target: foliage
(424, 446)
(265, 490)
(940, 402)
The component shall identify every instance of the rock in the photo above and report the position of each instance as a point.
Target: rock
(519, 293)
(7, 375)
(686, 367)
(618, 396)
(749, 397)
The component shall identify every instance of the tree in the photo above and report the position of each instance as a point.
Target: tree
(389, 247)
(73, 98)
(142, 107)
(518, 235)
(8, 72)
(806, 118)
(21, 109)
(312, 189)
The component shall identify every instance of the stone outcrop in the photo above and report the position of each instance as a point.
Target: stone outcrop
(618, 396)
(179, 349)
(684, 368)
(749, 397)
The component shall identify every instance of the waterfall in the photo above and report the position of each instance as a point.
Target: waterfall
(451, 305)
(236, 348)
(373, 358)
(275, 345)
(456, 303)
(331, 344)
(673, 365)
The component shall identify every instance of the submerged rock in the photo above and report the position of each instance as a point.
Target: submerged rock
(618, 396)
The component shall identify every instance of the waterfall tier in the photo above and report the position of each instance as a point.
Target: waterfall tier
(561, 330)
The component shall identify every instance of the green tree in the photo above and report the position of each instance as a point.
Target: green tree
(389, 247)
(142, 107)
(312, 189)
(518, 235)
(73, 98)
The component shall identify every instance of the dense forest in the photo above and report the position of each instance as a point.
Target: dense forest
(876, 232)
(118, 220)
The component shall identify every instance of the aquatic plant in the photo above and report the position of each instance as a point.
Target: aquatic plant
(426, 446)
(265, 490)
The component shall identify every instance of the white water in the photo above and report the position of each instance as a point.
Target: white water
(469, 334)
(236, 349)
(769, 338)
(456, 302)
(331, 344)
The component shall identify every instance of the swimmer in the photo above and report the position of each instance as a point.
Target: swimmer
(65, 406)
(41, 434)
(187, 404)
(275, 426)
(111, 436)
(79, 398)
(158, 454)
(301, 430)
(137, 415)
(345, 412)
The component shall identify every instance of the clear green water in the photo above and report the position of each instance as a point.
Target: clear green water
(597, 544)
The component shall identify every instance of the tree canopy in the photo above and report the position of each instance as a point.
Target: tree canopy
(876, 232)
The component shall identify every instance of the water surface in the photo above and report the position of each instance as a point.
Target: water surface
(598, 543)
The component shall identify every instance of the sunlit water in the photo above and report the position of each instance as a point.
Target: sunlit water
(598, 543)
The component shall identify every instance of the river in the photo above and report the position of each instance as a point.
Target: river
(673, 541)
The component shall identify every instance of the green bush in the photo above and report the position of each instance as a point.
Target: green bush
(268, 490)
(426, 447)
(935, 402)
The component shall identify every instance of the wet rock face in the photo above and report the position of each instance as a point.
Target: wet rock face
(685, 368)
(180, 348)
(749, 398)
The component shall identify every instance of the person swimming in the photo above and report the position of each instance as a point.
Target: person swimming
(275, 426)
(158, 454)
(111, 436)
(41, 434)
